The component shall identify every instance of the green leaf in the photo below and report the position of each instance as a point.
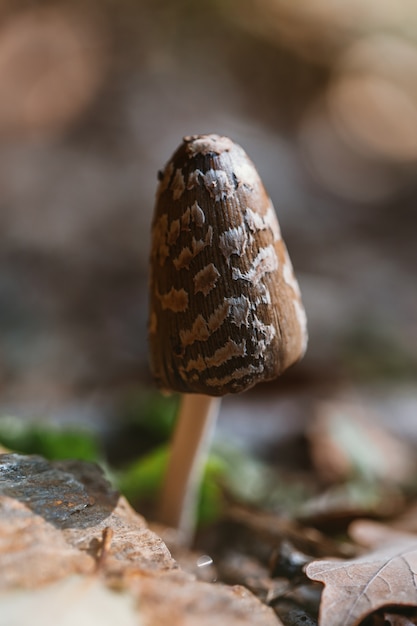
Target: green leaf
(142, 480)
(49, 441)
(211, 494)
(152, 411)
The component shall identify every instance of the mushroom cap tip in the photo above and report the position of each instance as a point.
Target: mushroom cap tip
(206, 144)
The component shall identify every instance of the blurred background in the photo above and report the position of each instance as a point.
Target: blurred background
(95, 95)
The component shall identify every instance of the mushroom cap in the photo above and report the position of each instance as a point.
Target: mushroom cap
(225, 307)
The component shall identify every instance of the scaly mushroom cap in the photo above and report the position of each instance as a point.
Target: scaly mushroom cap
(225, 307)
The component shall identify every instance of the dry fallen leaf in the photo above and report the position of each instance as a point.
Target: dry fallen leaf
(384, 576)
(346, 440)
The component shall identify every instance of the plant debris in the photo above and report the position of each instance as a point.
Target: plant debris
(342, 554)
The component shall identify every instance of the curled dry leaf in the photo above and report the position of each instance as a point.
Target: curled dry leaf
(384, 576)
(389, 618)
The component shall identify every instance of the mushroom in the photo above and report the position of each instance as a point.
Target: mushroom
(225, 307)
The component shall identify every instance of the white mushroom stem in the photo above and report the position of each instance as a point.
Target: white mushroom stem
(189, 448)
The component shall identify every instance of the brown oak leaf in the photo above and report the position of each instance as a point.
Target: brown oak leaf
(384, 576)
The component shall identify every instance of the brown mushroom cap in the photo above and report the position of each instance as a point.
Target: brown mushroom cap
(225, 307)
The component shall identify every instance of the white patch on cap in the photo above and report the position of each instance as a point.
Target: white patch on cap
(193, 179)
(202, 329)
(260, 348)
(217, 184)
(228, 351)
(183, 259)
(217, 318)
(265, 261)
(267, 330)
(205, 144)
(239, 310)
(262, 298)
(245, 171)
(256, 221)
(175, 300)
(185, 219)
(174, 232)
(209, 236)
(205, 280)
(177, 185)
(233, 241)
(198, 332)
(239, 373)
(197, 245)
(197, 214)
(198, 364)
